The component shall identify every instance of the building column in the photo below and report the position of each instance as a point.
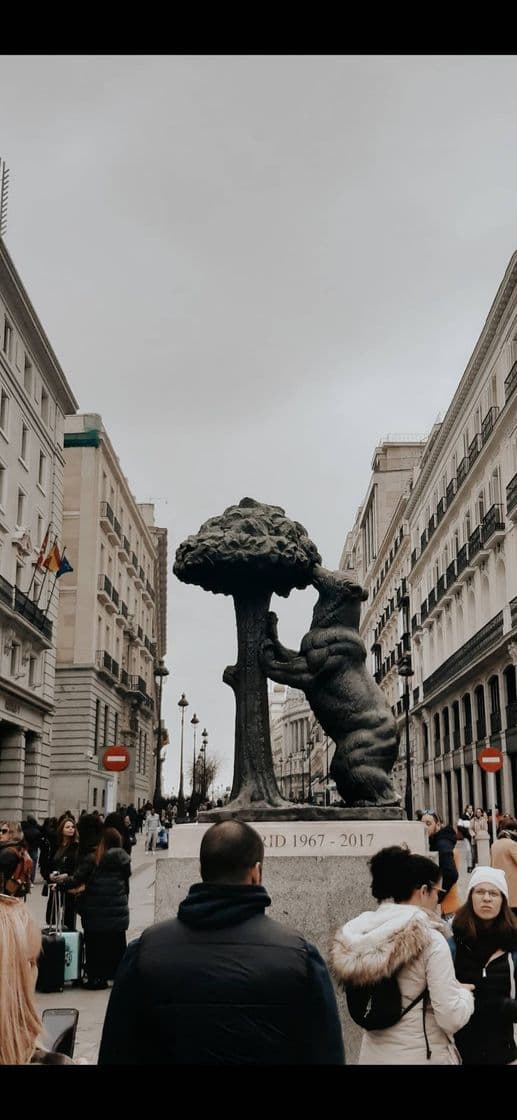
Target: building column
(12, 772)
(33, 774)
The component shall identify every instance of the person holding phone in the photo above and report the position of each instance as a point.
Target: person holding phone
(20, 1024)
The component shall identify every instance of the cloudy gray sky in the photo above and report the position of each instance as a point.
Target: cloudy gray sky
(254, 268)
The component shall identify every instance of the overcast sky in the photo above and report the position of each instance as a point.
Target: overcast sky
(254, 268)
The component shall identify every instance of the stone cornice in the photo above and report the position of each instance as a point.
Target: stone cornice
(18, 300)
(499, 307)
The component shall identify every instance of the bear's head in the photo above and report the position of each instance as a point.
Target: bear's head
(339, 601)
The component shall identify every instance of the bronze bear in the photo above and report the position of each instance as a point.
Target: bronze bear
(350, 707)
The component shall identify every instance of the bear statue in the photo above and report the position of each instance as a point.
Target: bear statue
(330, 669)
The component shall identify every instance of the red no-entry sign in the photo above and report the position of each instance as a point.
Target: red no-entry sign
(115, 758)
(490, 759)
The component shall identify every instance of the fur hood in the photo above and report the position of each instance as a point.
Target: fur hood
(378, 942)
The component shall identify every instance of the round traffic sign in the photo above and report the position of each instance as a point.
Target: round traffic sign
(115, 758)
(490, 759)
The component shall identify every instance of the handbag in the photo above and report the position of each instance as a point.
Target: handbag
(44, 890)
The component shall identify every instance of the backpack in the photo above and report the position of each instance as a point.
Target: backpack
(19, 884)
(377, 1006)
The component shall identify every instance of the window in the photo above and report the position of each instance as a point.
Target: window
(15, 650)
(24, 443)
(106, 724)
(481, 506)
(3, 485)
(39, 528)
(42, 470)
(103, 799)
(4, 411)
(44, 405)
(95, 797)
(20, 509)
(115, 728)
(27, 375)
(33, 666)
(7, 344)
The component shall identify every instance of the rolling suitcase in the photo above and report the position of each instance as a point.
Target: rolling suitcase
(51, 963)
(73, 955)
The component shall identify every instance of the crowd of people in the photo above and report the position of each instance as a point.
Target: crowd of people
(453, 963)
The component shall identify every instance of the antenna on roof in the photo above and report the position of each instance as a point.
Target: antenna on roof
(4, 191)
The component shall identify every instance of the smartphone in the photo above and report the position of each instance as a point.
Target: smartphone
(59, 1028)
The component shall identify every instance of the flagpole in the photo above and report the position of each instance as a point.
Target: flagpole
(45, 614)
(45, 574)
(36, 563)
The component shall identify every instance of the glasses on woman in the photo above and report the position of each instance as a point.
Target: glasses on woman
(480, 892)
(439, 891)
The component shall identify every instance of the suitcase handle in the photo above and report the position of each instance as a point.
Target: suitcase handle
(56, 909)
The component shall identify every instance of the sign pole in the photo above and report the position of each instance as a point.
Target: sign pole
(491, 784)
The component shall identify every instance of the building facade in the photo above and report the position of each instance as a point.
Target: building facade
(302, 753)
(34, 399)
(107, 642)
(463, 577)
(377, 554)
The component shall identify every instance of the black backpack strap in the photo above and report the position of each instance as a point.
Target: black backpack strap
(414, 1003)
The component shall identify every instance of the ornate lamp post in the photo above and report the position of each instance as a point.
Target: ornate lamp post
(194, 721)
(204, 748)
(160, 671)
(310, 744)
(405, 670)
(182, 703)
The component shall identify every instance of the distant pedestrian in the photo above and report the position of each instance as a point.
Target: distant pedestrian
(151, 826)
(222, 984)
(405, 937)
(485, 955)
(442, 839)
(503, 855)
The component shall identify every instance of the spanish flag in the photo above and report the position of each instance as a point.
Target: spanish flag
(43, 549)
(52, 561)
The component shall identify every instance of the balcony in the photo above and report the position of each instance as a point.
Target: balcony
(440, 510)
(488, 423)
(424, 611)
(115, 597)
(122, 613)
(139, 577)
(511, 498)
(462, 471)
(493, 528)
(106, 665)
(6, 592)
(415, 623)
(27, 611)
(474, 449)
(145, 594)
(510, 383)
(132, 564)
(107, 517)
(511, 715)
(495, 723)
(462, 559)
(476, 551)
(104, 590)
(123, 548)
(423, 541)
(450, 578)
(118, 529)
(440, 588)
(431, 526)
(463, 658)
(450, 491)
(431, 600)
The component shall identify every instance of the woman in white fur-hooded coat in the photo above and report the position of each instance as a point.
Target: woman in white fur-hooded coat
(405, 935)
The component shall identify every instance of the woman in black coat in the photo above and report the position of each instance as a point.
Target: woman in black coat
(485, 954)
(104, 910)
(63, 862)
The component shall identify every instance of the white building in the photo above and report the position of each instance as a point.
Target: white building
(107, 641)
(463, 577)
(302, 753)
(34, 399)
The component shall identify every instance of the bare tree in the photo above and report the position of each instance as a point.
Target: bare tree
(249, 552)
(206, 773)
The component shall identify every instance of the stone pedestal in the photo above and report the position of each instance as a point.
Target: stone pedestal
(316, 873)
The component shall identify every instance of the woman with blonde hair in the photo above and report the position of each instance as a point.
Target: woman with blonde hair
(20, 1024)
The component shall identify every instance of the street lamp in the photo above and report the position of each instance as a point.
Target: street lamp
(194, 721)
(182, 703)
(405, 670)
(310, 744)
(160, 671)
(290, 777)
(204, 748)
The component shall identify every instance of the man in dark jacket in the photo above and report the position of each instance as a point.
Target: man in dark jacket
(223, 984)
(442, 839)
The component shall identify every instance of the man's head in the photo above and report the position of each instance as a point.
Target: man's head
(432, 821)
(231, 852)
